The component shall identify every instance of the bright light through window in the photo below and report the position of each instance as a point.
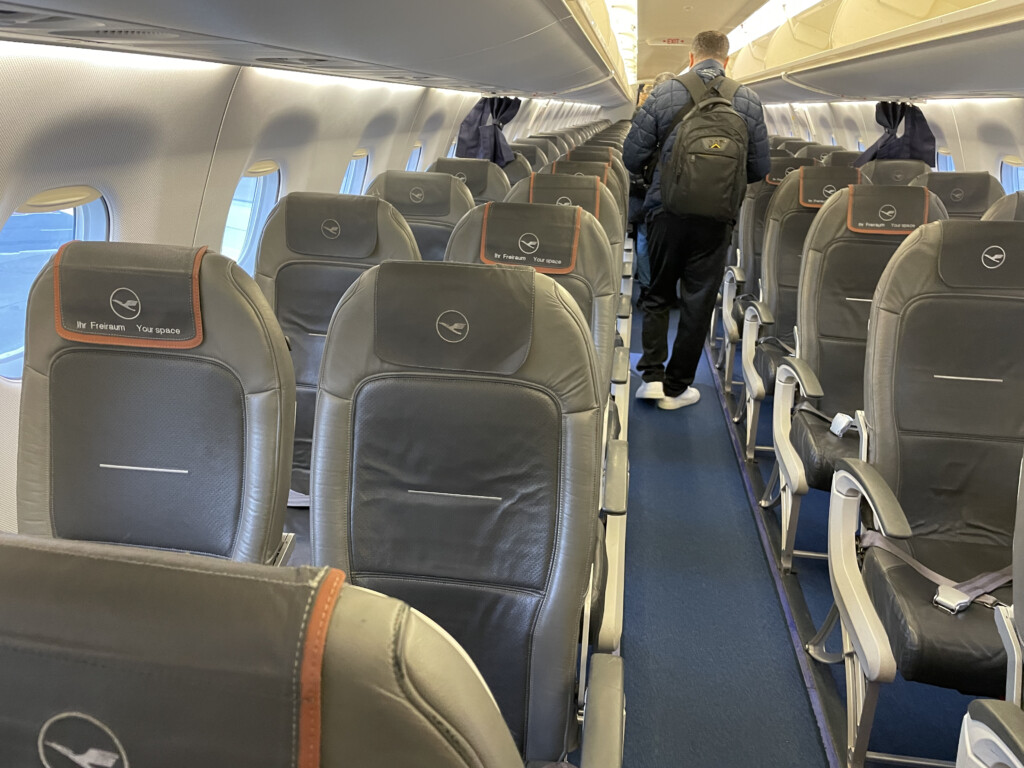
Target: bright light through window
(254, 198)
(451, 149)
(27, 241)
(413, 164)
(355, 173)
(766, 18)
(1011, 174)
(945, 161)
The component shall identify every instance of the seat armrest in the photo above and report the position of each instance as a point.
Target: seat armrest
(620, 365)
(793, 368)
(755, 316)
(616, 478)
(1005, 720)
(737, 274)
(758, 311)
(625, 307)
(866, 480)
(604, 716)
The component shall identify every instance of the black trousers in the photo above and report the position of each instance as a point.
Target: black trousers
(691, 250)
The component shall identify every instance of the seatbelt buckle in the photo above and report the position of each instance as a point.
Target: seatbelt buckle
(951, 600)
(841, 424)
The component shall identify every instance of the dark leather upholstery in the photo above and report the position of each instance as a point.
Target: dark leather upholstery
(839, 272)
(768, 355)
(557, 139)
(603, 170)
(486, 180)
(819, 449)
(190, 661)
(547, 146)
(588, 192)
(965, 195)
(895, 172)
(304, 272)
(534, 155)
(945, 417)
(430, 203)
(183, 449)
(793, 145)
(841, 157)
(1009, 208)
(605, 155)
(779, 152)
(817, 152)
(456, 466)
(518, 169)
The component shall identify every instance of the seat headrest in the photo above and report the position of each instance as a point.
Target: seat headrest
(816, 151)
(818, 184)
(885, 172)
(886, 210)
(602, 154)
(533, 154)
(982, 254)
(966, 195)
(453, 317)
(560, 189)
(514, 234)
(779, 152)
(476, 174)
(781, 167)
(1008, 208)
(331, 225)
(422, 194)
(597, 168)
(128, 294)
(841, 157)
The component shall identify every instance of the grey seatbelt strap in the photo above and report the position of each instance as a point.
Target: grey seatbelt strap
(951, 597)
(789, 348)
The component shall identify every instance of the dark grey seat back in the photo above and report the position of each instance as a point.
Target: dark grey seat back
(154, 658)
(779, 153)
(588, 192)
(794, 145)
(564, 242)
(158, 409)
(430, 203)
(606, 155)
(893, 172)
(486, 180)
(547, 146)
(790, 212)
(817, 152)
(775, 142)
(557, 139)
(753, 211)
(1008, 208)
(457, 465)
(518, 169)
(603, 171)
(532, 152)
(847, 247)
(313, 248)
(841, 157)
(965, 195)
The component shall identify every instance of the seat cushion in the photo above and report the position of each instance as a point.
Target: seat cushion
(931, 646)
(768, 355)
(820, 449)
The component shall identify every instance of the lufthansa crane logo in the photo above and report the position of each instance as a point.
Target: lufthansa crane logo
(74, 739)
(897, 176)
(829, 190)
(887, 212)
(330, 229)
(993, 257)
(452, 326)
(416, 195)
(125, 303)
(957, 195)
(461, 177)
(529, 243)
(789, 170)
(563, 200)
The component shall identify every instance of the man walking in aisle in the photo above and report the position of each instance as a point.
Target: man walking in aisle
(685, 247)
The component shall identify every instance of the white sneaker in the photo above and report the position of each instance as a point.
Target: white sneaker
(650, 390)
(689, 396)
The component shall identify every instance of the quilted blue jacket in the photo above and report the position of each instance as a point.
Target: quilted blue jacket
(652, 121)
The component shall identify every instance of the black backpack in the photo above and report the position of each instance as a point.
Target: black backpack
(706, 172)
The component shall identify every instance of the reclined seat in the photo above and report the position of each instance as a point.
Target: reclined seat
(791, 210)
(604, 172)
(817, 152)
(547, 146)
(159, 414)
(456, 467)
(944, 444)
(841, 157)
(208, 664)
(965, 195)
(534, 154)
(893, 172)
(746, 277)
(313, 248)
(1008, 208)
(518, 169)
(486, 180)
(430, 203)
(848, 245)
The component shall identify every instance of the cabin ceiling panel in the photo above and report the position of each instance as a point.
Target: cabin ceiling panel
(527, 47)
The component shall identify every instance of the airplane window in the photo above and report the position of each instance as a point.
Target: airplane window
(256, 194)
(945, 160)
(1011, 173)
(355, 174)
(451, 149)
(28, 239)
(860, 144)
(414, 158)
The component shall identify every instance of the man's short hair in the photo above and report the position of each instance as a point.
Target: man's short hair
(710, 45)
(662, 77)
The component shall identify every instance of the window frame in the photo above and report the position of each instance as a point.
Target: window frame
(265, 197)
(1011, 174)
(358, 164)
(415, 157)
(944, 160)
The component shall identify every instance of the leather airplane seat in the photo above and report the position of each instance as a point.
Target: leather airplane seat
(486, 181)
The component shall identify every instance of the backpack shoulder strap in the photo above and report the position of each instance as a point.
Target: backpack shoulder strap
(726, 87)
(697, 91)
